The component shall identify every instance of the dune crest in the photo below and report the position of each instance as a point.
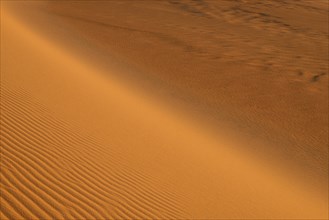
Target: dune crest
(77, 143)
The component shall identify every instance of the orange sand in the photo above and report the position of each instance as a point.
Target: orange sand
(90, 135)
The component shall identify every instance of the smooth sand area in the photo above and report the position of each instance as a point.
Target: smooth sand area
(85, 137)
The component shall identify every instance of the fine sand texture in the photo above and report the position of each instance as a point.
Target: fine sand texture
(190, 109)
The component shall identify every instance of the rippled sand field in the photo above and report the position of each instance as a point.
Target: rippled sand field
(171, 109)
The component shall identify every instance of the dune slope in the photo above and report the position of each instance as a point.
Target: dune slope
(260, 65)
(78, 143)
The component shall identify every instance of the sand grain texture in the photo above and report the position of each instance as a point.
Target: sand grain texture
(84, 136)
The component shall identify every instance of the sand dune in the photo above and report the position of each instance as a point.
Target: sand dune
(103, 120)
(221, 56)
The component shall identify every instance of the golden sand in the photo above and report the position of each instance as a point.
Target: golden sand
(164, 110)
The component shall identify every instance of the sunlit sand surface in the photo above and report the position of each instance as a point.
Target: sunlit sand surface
(164, 109)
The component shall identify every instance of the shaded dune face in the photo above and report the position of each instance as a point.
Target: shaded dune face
(105, 115)
(248, 62)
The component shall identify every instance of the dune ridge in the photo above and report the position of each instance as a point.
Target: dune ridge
(77, 144)
(48, 176)
(218, 56)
